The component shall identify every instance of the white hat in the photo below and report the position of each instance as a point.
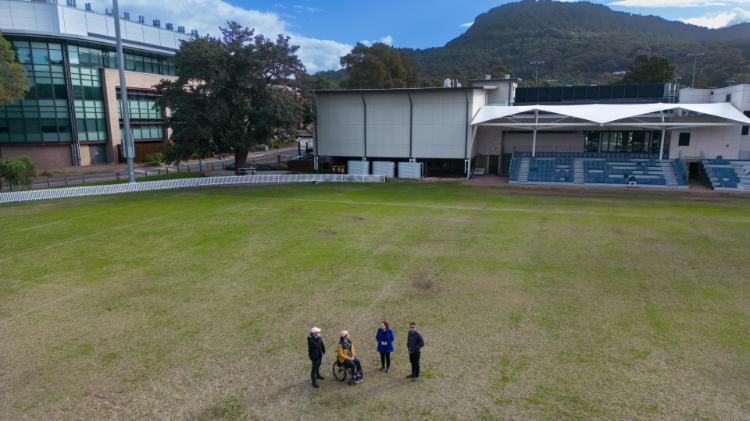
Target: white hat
(344, 333)
(315, 330)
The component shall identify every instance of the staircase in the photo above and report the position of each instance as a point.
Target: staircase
(523, 171)
(668, 171)
(742, 168)
(578, 175)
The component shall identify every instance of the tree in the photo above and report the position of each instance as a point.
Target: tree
(17, 171)
(13, 82)
(649, 69)
(231, 94)
(379, 66)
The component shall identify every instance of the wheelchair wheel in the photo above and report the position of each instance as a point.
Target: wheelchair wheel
(339, 372)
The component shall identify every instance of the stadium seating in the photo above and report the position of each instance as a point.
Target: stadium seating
(730, 175)
(607, 169)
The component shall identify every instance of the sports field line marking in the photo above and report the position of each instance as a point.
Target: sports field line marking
(47, 224)
(120, 227)
(97, 233)
(41, 307)
(488, 208)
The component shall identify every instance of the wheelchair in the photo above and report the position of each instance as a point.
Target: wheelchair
(341, 373)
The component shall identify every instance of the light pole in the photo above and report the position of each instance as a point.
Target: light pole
(127, 141)
(536, 63)
(695, 62)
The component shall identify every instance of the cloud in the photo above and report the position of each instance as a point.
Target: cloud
(387, 40)
(207, 15)
(677, 3)
(720, 19)
(467, 24)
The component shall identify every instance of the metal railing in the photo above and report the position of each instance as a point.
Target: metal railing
(58, 193)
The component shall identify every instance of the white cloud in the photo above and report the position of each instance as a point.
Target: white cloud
(467, 24)
(387, 40)
(677, 3)
(207, 15)
(721, 19)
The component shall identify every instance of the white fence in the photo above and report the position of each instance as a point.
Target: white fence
(28, 195)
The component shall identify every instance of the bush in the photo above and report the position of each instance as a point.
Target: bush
(154, 159)
(17, 171)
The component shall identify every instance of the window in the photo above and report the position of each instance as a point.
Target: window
(746, 129)
(728, 98)
(684, 139)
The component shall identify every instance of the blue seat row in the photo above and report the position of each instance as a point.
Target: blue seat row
(721, 173)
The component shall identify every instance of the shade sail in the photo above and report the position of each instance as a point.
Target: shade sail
(602, 114)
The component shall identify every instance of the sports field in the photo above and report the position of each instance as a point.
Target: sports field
(533, 303)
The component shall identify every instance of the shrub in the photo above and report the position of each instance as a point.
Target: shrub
(154, 159)
(17, 171)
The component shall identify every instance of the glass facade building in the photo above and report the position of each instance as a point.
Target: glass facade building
(68, 107)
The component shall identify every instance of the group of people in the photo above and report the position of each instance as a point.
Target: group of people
(346, 353)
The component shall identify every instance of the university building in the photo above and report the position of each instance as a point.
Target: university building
(635, 135)
(71, 114)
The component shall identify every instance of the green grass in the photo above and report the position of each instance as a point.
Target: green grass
(534, 303)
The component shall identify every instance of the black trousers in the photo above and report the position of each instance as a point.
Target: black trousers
(385, 359)
(315, 370)
(414, 360)
(353, 365)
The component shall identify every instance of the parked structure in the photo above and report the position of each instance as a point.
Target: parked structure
(71, 114)
(477, 129)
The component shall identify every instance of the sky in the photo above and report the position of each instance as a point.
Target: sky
(325, 30)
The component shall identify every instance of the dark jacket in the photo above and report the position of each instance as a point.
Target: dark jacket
(414, 342)
(386, 337)
(315, 348)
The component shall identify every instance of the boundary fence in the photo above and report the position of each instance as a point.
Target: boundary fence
(29, 195)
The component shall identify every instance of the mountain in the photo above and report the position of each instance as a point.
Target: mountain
(583, 43)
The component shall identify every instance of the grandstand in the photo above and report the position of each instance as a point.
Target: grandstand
(597, 169)
(727, 175)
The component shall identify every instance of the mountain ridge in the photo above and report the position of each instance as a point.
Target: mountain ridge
(584, 42)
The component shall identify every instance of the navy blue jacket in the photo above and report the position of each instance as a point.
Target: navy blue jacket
(414, 342)
(315, 348)
(386, 337)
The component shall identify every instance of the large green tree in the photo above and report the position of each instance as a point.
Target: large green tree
(649, 69)
(378, 66)
(13, 82)
(231, 93)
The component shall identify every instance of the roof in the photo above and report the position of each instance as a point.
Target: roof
(393, 90)
(602, 114)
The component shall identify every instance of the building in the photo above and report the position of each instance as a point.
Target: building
(479, 129)
(71, 114)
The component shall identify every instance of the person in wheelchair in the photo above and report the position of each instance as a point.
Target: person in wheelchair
(347, 356)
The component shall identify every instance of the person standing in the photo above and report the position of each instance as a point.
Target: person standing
(384, 336)
(315, 350)
(414, 343)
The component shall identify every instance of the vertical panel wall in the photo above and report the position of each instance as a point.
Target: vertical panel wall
(387, 125)
(440, 124)
(340, 125)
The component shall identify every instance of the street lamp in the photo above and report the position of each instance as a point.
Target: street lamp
(127, 141)
(695, 62)
(536, 63)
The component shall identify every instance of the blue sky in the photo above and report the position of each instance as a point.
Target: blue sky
(423, 24)
(327, 29)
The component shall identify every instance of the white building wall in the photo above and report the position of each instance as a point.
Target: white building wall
(340, 125)
(387, 125)
(59, 20)
(440, 123)
(710, 142)
(707, 142)
(489, 141)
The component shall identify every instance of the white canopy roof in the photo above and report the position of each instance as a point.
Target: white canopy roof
(603, 114)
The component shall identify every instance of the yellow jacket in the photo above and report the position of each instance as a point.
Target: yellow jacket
(341, 352)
